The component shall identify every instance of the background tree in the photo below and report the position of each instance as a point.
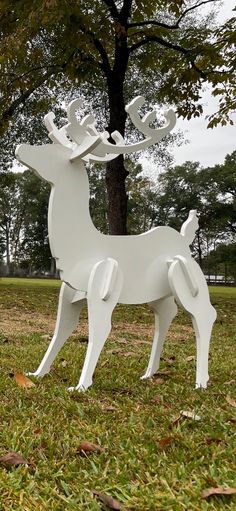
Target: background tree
(221, 261)
(113, 46)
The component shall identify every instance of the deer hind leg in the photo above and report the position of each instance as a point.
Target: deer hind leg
(104, 287)
(165, 310)
(190, 289)
(69, 308)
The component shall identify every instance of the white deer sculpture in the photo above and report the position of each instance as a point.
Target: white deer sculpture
(155, 267)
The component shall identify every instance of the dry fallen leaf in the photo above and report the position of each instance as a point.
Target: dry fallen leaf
(189, 358)
(115, 350)
(157, 399)
(167, 440)
(109, 501)
(130, 354)
(231, 382)
(83, 339)
(217, 491)
(38, 431)
(13, 459)
(232, 419)
(23, 381)
(110, 408)
(165, 372)
(216, 441)
(175, 421)
(231, 401)
(86, 446)
(190, 415)
(159, 381)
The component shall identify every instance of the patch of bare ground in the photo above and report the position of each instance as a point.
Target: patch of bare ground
(138, 333)
(14, 322)
(18, 322)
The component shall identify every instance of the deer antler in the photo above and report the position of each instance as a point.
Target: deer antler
(88, 144)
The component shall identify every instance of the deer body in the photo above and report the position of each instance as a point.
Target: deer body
(155, 267)
(77, 245)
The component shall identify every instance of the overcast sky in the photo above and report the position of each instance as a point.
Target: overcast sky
(208, 146)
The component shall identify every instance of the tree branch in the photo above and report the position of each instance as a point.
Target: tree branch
(105, 65)
(33, 69)
(162, 42)
(192, 8)
(168, 45)
(152, 22)
(125, 11)
(8, 112)
(112, 8)
(174, 26)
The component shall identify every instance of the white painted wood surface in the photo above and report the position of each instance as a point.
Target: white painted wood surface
(155, 267)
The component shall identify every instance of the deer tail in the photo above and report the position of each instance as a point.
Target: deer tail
(190, 226)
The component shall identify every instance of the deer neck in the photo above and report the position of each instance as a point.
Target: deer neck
(71, 230)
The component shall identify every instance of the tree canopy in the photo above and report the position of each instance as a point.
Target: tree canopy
(118, 48)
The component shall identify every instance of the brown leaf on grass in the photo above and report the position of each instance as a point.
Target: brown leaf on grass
(13, 459)
(185, 414)
(115, 350)
(110, 408)
(83, 339)
(38, 431)
(216, 441)
(23, 381)
(158, 381)
(87, 447)
(109, 501)
(141, 342)
(176, 421)
(231, 401)
(129, 354)
(170, 360)
(189, 358)
(232, 419)
(209, 492)
(190, 415)
(165, 372)
(231, 382)
(164, 442)
(157, 399)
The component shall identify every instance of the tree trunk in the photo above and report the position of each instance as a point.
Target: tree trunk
(199, 249)
(8, 256)
(115, 170)
(117, 197)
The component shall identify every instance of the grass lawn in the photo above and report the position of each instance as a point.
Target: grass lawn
(151, 461)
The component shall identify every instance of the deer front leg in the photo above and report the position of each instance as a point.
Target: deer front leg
(67, 319)
(191, 292)
(104, 288)
(165, 310)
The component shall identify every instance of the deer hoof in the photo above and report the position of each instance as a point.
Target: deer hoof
(146, 376)
(79, 388)
(36, 374)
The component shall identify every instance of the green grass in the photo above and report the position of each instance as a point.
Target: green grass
(127, 416)
(27, 282)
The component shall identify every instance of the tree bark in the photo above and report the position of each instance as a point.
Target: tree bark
(117, 196)
(116, 172)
